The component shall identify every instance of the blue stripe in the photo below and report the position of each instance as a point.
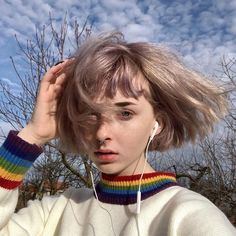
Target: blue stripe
(101, 190)
(5, 154)
(20, 148)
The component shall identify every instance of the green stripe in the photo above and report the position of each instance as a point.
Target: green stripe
(7, 165)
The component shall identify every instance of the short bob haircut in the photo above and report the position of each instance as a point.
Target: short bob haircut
(185, 102)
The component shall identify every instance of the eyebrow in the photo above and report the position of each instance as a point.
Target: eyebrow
(124, 104)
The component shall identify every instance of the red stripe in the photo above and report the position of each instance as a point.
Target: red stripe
(9, 184)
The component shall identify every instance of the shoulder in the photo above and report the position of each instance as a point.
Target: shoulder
(186, 196)
(193, 214)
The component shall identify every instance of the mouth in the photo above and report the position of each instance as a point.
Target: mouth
(106, 155)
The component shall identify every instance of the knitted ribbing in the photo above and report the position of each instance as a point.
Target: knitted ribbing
(123, 189)
(16, 157)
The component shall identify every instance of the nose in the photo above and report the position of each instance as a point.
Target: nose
(104, 131)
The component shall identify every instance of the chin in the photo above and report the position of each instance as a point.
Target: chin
(108, 169)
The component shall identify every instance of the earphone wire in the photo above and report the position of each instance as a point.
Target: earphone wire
(99, 203)
(139, 194)
(146, 156)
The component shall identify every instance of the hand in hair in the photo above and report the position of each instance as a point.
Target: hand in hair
(42, 126)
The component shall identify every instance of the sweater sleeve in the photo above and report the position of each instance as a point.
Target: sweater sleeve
(16, 157)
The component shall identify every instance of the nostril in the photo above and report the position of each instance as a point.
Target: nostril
(101, 142)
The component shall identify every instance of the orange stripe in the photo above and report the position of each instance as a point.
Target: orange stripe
(10, 176)
(136, 182)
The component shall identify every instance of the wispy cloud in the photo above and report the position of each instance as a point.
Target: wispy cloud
(202, 31)
(4, 129)
(9, 82)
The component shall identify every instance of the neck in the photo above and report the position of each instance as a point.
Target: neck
(138, 170)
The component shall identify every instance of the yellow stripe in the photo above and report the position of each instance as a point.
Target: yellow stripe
(9, 165)
(136, 182)
(10, 176)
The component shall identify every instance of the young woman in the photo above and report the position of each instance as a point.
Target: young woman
(111, 101)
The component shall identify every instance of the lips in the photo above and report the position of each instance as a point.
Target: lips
(106, 155)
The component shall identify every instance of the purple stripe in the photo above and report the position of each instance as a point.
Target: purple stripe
(126, 199)
(18, 147)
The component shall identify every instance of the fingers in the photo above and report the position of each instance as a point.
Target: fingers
(57, 91)
(55, 75)
(60, 79)
(56, 70)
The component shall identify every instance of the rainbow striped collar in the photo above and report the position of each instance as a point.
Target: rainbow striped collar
(122, 190)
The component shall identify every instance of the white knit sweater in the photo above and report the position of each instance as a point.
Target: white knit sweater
(174, 211)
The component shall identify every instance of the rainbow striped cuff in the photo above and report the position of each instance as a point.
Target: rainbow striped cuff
(16, 157)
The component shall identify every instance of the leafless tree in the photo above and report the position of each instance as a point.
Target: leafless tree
(209, 167)
(50, 44)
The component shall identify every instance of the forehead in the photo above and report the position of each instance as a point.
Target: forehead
(138, 84)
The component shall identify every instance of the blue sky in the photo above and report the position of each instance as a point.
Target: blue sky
(202, 31)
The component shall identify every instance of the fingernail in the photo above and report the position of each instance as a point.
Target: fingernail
(59, 62)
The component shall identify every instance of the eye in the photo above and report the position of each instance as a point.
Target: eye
(125, 115)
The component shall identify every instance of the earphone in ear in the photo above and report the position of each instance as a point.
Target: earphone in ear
(154, 130)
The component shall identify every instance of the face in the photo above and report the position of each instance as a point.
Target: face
(125, 135)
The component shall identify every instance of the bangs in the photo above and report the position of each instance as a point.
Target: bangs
(109, 73)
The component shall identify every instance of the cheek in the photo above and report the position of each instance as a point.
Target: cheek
(135, 138)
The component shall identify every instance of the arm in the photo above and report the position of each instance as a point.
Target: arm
(16, 157)
(19, 152)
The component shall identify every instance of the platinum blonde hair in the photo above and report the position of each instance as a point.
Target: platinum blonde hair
(186, 103)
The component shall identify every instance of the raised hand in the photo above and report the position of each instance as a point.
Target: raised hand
(43, 127)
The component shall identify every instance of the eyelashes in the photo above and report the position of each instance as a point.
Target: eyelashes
(121, 115)
(125, 115)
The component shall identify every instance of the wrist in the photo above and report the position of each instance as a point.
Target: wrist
(27, 134)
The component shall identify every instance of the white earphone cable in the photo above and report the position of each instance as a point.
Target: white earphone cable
(139, 194)
(99, 203)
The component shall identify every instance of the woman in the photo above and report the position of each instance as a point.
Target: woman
(111, 101)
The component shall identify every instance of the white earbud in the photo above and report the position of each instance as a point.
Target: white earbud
(154, 131)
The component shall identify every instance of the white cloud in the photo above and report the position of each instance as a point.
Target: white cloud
(117, 5)
(201, 31)
(9, 82)
(137, 32)
(233, 26)
(5, 128)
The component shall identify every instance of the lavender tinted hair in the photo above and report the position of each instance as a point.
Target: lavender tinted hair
(185, 102)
